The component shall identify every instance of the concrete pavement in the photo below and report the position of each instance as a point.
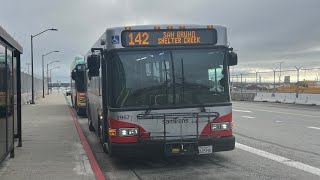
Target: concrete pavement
(51, 145)
(282, 129)
(250, 159)
(274, 141)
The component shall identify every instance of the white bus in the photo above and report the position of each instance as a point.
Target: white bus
(161, 89)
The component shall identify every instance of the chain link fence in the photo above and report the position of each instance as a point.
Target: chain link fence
(297, 80)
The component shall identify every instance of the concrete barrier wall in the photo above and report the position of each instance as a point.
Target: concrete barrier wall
(26, 81)
(311, 99)
(243, 96)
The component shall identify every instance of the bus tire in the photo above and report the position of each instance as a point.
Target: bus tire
(91, 128)
(78, 112)
(72, 102)
(107, 148)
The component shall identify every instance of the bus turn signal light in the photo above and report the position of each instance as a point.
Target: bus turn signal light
(112, 132)
(210, 26)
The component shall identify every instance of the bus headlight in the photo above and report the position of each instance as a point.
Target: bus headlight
(221, 126)
(215, 126)
(224, 126)
(128, 131)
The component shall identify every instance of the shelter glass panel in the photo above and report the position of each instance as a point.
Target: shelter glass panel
(3, 102)
(10, 98)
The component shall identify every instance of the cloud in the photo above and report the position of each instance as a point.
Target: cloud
(263, 32)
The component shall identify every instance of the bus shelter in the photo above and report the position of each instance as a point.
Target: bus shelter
(10, 94)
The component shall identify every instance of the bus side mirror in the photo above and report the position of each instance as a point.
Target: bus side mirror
(73, 75)
(233, 58)
(93, 63)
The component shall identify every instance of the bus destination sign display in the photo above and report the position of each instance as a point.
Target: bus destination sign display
(168, 37)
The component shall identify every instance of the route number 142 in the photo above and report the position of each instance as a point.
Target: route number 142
(139, 38)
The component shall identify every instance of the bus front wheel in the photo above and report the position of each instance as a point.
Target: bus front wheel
(107, 148)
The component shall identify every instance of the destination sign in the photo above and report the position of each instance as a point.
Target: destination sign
(172, 37)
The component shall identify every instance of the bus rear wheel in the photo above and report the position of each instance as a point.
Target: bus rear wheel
(91, 128)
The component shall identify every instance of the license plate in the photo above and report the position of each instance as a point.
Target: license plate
(205, 149)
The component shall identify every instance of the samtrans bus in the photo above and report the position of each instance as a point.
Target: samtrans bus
(78, 85)
(162, 88)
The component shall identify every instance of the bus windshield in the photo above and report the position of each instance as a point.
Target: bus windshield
(168, 78)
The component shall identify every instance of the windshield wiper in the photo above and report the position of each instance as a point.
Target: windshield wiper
(194, 97)
(165, 84)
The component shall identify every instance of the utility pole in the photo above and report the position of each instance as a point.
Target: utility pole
(280, 73)
(241, 84)
(260, 79)
(274, 78)
(256, 79)
(298, 69)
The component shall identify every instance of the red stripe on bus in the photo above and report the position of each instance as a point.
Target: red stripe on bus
(116, 124)
(93, 162)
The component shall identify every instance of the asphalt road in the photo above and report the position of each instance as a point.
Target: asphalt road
(274, 141)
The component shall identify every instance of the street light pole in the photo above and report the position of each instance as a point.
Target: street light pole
(32, 75)
(51, 74)
(48, 74)
(42, 77)
(32, 83)
(43, 71)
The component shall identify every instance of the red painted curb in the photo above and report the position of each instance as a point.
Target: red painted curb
(93, 162)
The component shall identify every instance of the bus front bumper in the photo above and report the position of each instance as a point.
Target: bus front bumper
(153, 147)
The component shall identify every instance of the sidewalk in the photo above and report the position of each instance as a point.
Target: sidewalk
(51, 147)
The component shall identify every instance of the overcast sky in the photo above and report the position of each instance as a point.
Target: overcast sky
(264, 33)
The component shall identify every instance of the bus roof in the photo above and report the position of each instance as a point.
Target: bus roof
(117, 31)
(77, 60)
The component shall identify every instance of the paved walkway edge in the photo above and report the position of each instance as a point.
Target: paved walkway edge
(93, 162)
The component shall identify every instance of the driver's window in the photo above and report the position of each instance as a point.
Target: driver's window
(215, 76)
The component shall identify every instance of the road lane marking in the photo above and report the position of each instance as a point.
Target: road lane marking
(280, 159)
(249, 117)
(242, 110)
(313, 127)
(285, 113)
